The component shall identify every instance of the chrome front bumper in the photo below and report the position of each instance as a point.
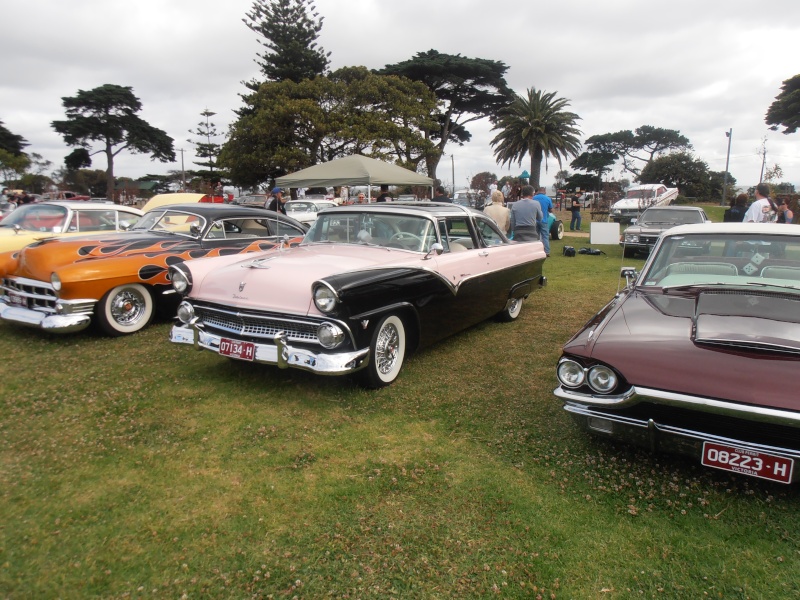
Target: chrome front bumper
(280, 353)
(48, 322)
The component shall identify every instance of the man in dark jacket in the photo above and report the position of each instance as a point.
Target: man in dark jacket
(278, 203)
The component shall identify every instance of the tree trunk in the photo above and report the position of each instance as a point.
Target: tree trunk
(110, 174)
(536, 168)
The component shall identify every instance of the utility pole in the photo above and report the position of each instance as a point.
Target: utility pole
(453, 169)
(183, 173)
(763, 159)
(729, 135)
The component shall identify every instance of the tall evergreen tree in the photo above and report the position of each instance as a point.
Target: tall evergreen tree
(289, 29)
(536, 125)
(11, 142)
(206, 149)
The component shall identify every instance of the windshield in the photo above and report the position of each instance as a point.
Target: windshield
(172, 221)
(390, 231)
(638, 194)
(725, 259)
(667, 216)
(38, 217)
(300, 207)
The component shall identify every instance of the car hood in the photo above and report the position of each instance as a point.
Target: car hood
(649, 228)
(734, 345)
(281, 280)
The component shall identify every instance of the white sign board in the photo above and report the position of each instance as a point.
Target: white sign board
(604, 233)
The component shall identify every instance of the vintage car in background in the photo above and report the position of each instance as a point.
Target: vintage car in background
(643, 234)
(369, 283)
(306, 211)
(699, 353)
(118, 280)
(32, 222)
(65, 195)
(640, 197)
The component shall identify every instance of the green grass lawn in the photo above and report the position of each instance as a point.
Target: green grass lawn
(134, 468)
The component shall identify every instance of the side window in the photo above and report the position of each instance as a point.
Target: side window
(284, 228)
(455, 233)
(489, 233)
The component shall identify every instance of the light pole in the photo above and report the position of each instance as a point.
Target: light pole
(453, 169)
(729, 135)
(183, 173)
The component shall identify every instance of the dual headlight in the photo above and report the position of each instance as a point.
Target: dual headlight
(600, 378)
(631, 238)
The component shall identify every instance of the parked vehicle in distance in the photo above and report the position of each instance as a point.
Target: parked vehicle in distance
(32, 222)
(65, 195)
(119, 280)
(556, 227)
(6, 208)
(407, 198)
(698, 354)
(640, 197)
(306, 211)
(643, 234)
(470, 198)
(369, 283)
(255, 200)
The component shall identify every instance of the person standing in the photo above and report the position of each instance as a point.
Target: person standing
(498, 212)
(526, 213)
(785, 215)
(441, 196)
(507, 191)
(736, 212)
(761, 210)
(278, 202)
(544, 225)
(575, 223)
(384, 196)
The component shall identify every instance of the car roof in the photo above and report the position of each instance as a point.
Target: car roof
(85, 205)
(734, 228)
(208, 209)
(429, 209)
(686, 208)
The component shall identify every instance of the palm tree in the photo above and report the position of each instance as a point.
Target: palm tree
(537, 126)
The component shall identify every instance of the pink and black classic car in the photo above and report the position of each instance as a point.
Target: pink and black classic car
(699, 354)
(367, 284)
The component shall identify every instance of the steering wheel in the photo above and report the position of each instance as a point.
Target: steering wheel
(404, 236)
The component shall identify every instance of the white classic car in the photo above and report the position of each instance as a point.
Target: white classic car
(306, 211)
(640, 197)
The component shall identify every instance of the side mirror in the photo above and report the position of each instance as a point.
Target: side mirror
(629, 273)
(436, 248)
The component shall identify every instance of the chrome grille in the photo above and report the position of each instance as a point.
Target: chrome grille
(38, 295)
(254, 325)
(649, 239)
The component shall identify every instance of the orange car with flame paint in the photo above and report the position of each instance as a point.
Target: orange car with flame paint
(120, 280)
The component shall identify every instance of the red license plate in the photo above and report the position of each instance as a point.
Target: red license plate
(748, 462)
(237, 349)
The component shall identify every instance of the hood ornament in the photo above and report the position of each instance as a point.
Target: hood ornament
(258, 263)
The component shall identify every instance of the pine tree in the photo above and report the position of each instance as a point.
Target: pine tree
(289, 29)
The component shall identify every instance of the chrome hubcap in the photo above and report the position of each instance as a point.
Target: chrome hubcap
(386, 348)
(127, 308)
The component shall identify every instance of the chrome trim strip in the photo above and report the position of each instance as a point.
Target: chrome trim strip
(637, 395)
(654, 429)
(281, 354)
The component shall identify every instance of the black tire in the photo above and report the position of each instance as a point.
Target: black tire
(511, 311)
(125, 309)
(557, 230)
(387, 351)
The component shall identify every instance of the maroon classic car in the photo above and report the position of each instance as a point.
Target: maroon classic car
(700, 353)
(369, 283)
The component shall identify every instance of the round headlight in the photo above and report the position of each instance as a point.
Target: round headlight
(180, 281)
(55, 281)
(631, 238)
(571, 373)
(329, 335)
(324, 298)
(602, 379)
(185, 312)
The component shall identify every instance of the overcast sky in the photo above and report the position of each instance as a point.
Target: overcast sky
(699, 66)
